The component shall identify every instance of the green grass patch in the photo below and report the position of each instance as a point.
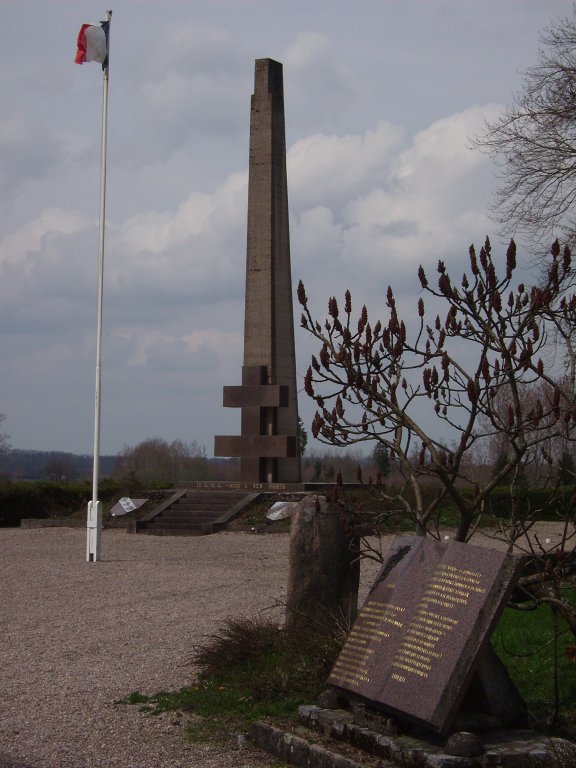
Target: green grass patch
(219, 708)
(374, 514)
(524, 642)
(250, 670)
(254, 514)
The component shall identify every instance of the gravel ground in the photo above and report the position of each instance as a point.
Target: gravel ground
(78, 636)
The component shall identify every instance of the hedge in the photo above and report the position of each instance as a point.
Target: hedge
(43, 499)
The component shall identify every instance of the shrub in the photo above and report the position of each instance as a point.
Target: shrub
(46, 499)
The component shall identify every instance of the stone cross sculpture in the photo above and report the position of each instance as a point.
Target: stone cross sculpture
(267, 397)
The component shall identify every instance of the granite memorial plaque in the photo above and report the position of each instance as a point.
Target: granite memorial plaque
(414, 646)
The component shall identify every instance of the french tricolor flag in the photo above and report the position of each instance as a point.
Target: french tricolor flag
(93, 43)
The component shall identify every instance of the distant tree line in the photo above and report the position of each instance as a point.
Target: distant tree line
(51, 465)
(4, 446)
(157, 462)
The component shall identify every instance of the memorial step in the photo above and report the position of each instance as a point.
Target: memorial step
(189, 517)
(192, 506)
(193, 512)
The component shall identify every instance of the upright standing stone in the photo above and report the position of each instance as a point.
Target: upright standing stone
(324, 571)
(268, 397)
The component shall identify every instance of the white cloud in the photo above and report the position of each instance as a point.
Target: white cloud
(388, 204)
(324, 169)
(158, 351)
(23, 246)
(321, 86)
(158, 232)
(201, 46)
(197, 250)
(441, 153)
(308, 50)
(28, 151)
(377, 115)
(317, 235)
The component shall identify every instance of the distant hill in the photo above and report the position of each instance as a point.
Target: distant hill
(51, 465)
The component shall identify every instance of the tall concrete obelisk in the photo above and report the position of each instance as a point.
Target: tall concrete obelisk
(268, 397)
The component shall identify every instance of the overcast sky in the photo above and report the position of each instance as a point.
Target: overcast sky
(381, 98)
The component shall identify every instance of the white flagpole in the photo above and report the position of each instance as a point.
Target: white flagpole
(94, 523)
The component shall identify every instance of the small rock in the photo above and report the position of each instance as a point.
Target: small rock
(464, 744)
(392, 727)
(329, 699)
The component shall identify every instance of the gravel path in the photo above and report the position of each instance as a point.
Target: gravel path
(78, 636)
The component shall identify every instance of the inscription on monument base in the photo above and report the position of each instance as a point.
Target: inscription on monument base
(241, 485)
(413, 647)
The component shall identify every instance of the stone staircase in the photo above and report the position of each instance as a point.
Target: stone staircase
(193, 513)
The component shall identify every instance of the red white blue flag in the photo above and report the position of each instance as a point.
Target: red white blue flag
(93, 43)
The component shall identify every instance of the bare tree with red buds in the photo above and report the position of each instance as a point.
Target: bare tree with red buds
(383, 382)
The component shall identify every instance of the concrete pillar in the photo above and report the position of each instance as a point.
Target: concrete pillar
(267, 445)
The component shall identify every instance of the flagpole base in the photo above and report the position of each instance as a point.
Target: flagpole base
(94, 531)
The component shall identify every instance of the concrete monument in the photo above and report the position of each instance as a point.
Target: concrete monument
(267, 446)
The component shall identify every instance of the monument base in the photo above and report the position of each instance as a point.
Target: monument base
(329, 738)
